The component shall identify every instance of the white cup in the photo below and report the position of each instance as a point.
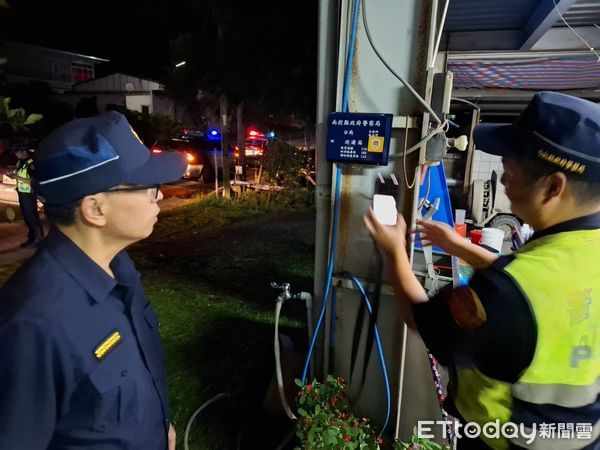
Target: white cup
(460, 215)
(492, 237)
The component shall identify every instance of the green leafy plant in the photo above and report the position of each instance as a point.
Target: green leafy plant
(326, 422)
(283, 164)
(152, 128)
(16, 117)
(417, 443)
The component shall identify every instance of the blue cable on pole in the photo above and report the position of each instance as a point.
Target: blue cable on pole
(350, 59)
(388, 395)
(336, 214)
(336, 198)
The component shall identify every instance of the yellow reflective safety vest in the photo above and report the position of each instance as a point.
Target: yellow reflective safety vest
(23, 172)
(559, 393)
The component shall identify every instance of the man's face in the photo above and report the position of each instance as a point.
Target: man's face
(131, 215)
(524, 195)
(21, 154)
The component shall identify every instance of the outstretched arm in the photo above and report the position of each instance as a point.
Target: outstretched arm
(443, 236)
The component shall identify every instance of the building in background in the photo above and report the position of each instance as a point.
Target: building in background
(61, 70)
(118, 90)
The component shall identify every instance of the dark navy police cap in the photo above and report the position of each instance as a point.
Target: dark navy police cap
(94, 154)
(560, 129)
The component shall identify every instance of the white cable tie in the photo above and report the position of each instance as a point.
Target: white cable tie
(393, 177)
(381, 179)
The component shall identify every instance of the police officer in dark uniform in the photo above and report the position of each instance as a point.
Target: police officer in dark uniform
(27, 198)
(81, 363)
(522, 340)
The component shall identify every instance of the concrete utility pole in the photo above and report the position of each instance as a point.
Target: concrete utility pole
(404, 33)
(241, 137)
(224, 146)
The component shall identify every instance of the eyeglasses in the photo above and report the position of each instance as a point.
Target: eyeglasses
(153, 189)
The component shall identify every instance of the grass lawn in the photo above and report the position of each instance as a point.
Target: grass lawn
(207, 270)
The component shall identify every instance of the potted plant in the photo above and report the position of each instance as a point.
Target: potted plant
(417, 443)
(326, 422)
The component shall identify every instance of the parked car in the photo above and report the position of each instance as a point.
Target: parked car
(203, 155)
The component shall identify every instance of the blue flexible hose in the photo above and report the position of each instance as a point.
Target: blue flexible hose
(336, 214)
(331, 265)
(388, 395)
(336, 199)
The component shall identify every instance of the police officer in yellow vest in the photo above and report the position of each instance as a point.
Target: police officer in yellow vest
(522, 340)
(27, 198)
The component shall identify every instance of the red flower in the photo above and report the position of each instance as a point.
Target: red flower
(309, 388)
(365, 420)
(333, 401)
(379, 441)
(342, 415)
(347, 438)
(356, 424)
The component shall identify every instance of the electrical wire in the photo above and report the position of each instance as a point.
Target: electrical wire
(198, 411)
(385, 63)
(388, 395)
(439, 36)
(456, 99)
(350, 59)
(404, 153)
(578, 35)
(426, 139)
(422, 202)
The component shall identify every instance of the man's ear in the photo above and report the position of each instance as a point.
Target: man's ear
(555, 186)
(91, 210)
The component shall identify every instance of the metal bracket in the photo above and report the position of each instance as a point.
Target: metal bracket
(405, 122)
(345, 283)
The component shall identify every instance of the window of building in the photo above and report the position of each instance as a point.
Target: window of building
(55, 67)
(82, 72)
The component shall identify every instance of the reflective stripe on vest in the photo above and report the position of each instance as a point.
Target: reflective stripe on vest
(558, 394)
(23, 172)
(560, 277)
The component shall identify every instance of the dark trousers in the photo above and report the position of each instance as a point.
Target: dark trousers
(28, 204)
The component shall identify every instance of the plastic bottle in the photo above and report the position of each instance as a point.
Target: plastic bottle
(459, 223)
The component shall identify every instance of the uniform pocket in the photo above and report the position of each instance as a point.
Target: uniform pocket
(116, 394)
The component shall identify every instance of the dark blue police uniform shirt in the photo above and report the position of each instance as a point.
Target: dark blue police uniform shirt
(55, 393)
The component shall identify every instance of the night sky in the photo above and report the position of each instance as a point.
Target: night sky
(135, 34)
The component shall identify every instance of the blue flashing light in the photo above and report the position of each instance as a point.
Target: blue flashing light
(213, 135)
(271, 134)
